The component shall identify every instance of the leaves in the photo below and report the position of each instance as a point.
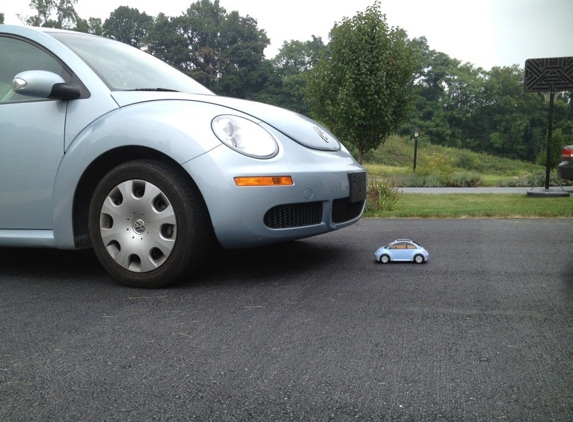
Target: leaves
(363, 90)
(53, 14)
(129, 26)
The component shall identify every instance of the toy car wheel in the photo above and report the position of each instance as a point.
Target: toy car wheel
(384, 259)
(419, 259)
(148, 223)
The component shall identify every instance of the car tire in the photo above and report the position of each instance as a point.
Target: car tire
(148, 224)
(419, 259)
(385, 259)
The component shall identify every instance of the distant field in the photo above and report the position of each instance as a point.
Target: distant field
(443, 166)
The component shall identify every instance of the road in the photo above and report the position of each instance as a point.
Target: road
(521, 191)
(312, 330)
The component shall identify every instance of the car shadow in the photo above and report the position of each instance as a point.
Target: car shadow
(253, 264)
(268, 262)
(42, 263)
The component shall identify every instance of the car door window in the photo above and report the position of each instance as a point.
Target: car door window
(399, 246)
(24, 56)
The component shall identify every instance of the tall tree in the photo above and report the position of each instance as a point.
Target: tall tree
(296, 57)
(224, 52)
(89, 26)
(287, 81)
(364, 90)
(168, 43)
(431, 82)
(510, 122)
(128, 25)
(463, 97)
(1, 18)
(53, 14)
(242, 55)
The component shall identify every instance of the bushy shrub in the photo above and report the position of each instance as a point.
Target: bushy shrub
(411, 180)
(433, 181)
(437, 165)
(382, 195)
(464, 179)
(467, 160)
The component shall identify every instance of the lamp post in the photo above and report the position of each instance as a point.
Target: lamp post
(416, 134)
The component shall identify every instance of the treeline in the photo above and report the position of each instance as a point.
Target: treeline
(456, 104)
(459, 105)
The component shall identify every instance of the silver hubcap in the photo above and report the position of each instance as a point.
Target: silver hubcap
(138, 226)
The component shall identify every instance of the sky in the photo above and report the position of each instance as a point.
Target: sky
(485, 33)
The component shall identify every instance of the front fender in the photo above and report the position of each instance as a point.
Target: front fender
(180, 130)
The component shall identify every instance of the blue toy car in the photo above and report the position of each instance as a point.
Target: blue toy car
(402, 250)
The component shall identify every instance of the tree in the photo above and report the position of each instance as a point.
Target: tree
(364, 90)
(128, 25)
(168, 43)
(431, 82)
(1, 18)
(462, 99)
(296, 57)
(224, 52)
(90, 26)
(287, 82)
(242, 56)
(53, 14)
(509, 122)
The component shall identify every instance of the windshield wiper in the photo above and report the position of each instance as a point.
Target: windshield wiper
(155, 89)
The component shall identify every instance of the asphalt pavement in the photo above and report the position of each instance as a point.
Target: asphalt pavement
(312, 330)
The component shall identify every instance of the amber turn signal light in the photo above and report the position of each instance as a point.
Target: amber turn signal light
(264, 181)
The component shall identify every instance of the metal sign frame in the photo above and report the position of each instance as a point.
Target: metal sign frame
(551, 74)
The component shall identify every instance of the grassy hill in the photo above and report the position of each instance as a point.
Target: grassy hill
(443, 166)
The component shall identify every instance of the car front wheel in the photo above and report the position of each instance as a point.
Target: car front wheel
(148, 224)
(419, 259)
(384, 259)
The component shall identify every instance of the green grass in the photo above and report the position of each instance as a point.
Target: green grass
(475, 206)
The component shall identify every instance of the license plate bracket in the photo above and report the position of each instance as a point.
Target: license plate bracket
(357, 184)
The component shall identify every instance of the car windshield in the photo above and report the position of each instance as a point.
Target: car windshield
(126, 68)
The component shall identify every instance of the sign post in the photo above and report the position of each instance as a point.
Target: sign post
(549, 75)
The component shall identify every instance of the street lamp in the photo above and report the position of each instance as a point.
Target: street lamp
(416, 134)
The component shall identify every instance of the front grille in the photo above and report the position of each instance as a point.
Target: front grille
(294, 215)
(342, 210)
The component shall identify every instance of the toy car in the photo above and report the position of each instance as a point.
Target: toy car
(402, 250)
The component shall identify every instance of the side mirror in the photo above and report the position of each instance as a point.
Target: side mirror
(43, 84)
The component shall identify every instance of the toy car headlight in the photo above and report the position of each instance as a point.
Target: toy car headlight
(245, 136)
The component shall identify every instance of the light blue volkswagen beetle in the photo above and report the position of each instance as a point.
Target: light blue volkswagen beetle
(402, 250)
(104, 146)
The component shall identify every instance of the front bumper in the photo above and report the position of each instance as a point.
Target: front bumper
(321, 199)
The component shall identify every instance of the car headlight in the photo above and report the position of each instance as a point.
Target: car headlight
(245, 136)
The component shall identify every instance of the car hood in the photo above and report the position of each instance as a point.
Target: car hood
(300, 128)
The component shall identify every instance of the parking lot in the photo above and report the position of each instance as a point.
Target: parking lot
(312, 330)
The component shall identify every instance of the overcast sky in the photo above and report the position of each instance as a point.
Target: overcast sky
(485, 33)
